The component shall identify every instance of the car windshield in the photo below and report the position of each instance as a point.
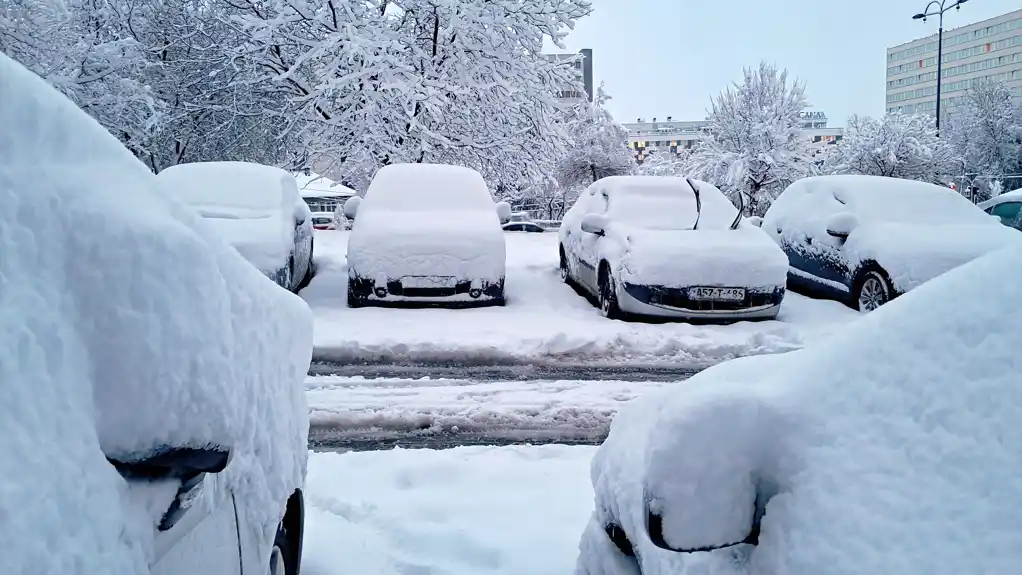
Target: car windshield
(655, 211)
(417, 188)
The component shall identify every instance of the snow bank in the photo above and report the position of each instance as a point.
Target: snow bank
(892, 446)
(252, 206)
(463, 511)
(544, 321)
(914, 230)
(427, 220)
(129, 327)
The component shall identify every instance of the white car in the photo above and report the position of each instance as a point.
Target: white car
(669, 247)
(865, 240)
(152, 419)
(425, 234)
(256, 208)
(1007, 206)
(891, 447)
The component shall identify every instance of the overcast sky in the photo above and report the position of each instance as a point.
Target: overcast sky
(662, 58)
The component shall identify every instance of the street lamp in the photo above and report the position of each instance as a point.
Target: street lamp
(939, 9)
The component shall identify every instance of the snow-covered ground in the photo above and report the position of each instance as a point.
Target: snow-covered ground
(360, 407)
(470, 510)
(544, 320)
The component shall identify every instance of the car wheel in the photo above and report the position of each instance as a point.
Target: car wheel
(873, 290)
(565, 271)
(608, 294)
(280, 555)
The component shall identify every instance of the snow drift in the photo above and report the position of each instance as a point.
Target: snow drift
(892, 447)
(127, 326)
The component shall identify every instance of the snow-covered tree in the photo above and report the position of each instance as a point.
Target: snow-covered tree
(598, 147)
(752, 145)
(451, 81)
(663, 162)
(986, 131)
(896, 146)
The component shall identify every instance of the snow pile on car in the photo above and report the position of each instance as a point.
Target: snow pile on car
(913, 230)
(128, 327)
(655, 208)
(427, 219)
(250, 205)
(892, 447)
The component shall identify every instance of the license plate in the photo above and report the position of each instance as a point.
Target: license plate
(428, 282)
(716, 294)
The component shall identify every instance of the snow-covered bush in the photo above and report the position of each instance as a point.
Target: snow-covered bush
(753, 145)
(662, 162)
(896, 146)
(341, 221)
(986, 131)
(128, 326)
(504, 212)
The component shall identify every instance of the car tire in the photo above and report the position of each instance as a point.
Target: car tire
(872, 289)
(565, 271)
(281, 560)
(608, 294)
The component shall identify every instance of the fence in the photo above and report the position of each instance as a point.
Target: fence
(979, 188)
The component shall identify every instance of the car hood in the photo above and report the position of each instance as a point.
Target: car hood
(914, 254)
(468, 245)
(264, 241)
(745, 257)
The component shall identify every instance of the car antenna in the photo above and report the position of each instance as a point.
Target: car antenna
(741, 210)
(699, 202)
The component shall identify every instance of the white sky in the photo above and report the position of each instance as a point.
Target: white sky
(662, 58)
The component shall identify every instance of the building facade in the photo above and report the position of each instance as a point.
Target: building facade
(680, 137)
(987, 50)
(584, 69)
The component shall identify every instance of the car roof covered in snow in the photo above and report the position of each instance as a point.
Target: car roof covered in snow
(875, 198)
(892, 443)
(1012, 196)
(427, 187)
(240, 185)
(129, 327)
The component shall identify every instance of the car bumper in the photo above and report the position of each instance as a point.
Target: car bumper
(659, 301)
(466, 293)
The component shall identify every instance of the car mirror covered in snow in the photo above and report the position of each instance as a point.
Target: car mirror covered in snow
(594, 224)
(504, 212)
(351, 207)
(842, 224)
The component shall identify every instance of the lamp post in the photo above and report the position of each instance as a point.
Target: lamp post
(939, 8)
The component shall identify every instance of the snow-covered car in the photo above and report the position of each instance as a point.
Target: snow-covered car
(323, 221)
(669, 247)
(425, 234)
(152, 416)
(891, 447)
(514, 226)
(865, 240)
(256, 208)
(1007, 206)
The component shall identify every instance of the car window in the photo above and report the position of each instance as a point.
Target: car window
(1008, 212)
(513, 227)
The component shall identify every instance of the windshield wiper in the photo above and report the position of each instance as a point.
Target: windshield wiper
(699, 202)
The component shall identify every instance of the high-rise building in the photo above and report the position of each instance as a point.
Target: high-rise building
(680, 136)
(987, 50)
(584, 69)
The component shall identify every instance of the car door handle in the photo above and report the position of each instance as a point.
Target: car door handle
(186, 495)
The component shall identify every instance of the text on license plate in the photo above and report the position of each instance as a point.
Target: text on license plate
(716, 293)
(428, 282)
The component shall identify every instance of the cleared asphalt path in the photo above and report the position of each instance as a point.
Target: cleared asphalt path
(437, 406)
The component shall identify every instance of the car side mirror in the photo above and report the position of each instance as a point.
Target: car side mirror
(594, 224)
(189, 465)
(503, 212)
(755, 220)
(841, 225)
(351, 207)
